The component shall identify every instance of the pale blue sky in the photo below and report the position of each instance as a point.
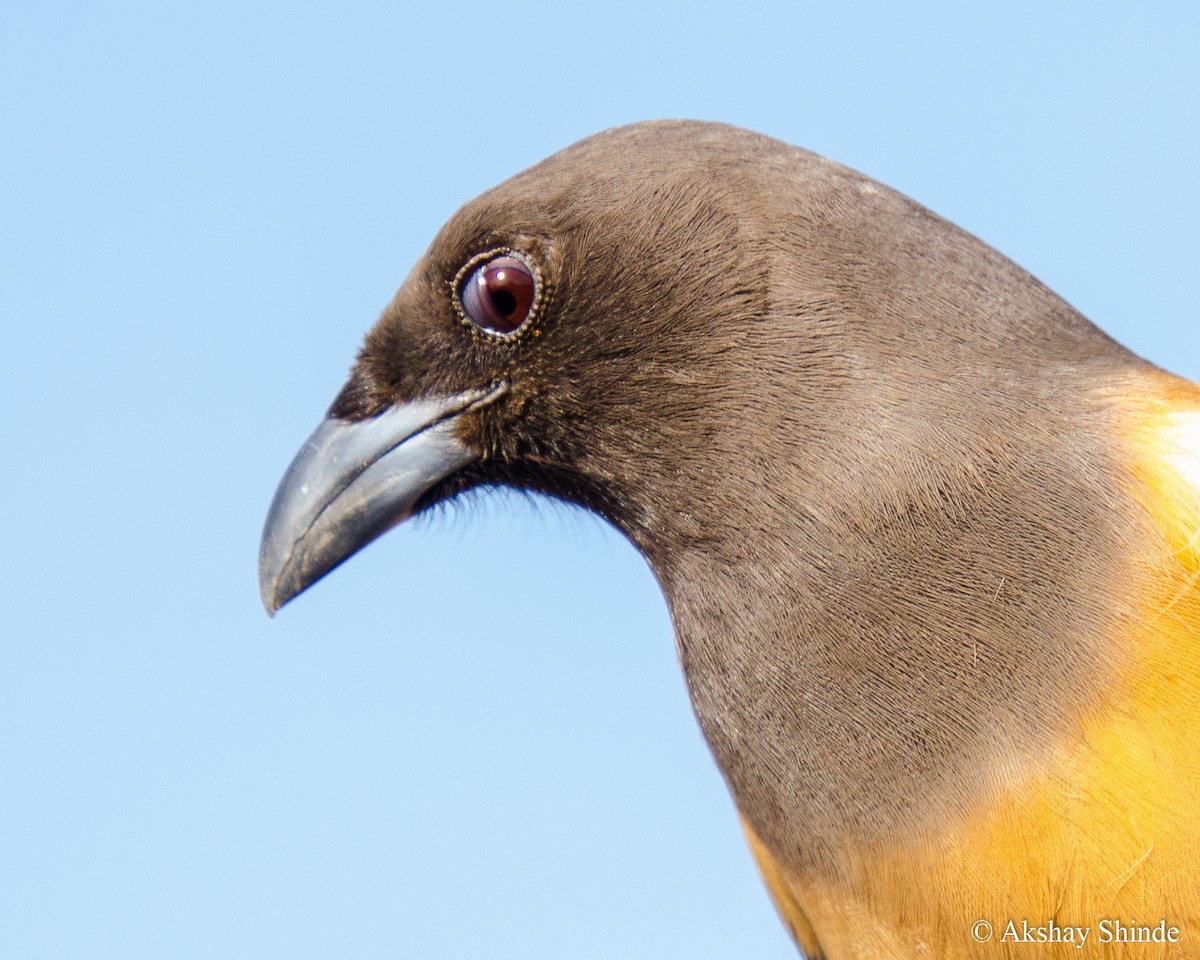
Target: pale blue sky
(472, 740)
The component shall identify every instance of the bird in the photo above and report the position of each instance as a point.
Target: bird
(929, 539)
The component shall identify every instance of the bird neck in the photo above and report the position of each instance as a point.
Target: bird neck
(882, 622)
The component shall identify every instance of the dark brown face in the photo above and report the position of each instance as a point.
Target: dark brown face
(548, 339)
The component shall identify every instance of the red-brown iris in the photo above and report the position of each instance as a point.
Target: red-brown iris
(499, 294)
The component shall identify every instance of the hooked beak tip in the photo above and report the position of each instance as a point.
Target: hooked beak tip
(354, 480)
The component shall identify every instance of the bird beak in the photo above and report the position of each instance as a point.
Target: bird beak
(354, 480)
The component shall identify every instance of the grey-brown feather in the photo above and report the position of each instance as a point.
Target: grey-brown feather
(871, 461)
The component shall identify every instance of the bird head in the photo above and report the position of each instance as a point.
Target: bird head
(585, 330)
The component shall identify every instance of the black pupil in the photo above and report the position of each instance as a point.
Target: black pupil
(504, 302)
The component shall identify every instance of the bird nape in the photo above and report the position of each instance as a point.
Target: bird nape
(930, 540)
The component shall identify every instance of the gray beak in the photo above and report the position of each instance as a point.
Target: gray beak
(352, 481)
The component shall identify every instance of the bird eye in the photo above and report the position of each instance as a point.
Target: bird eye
(499, 294)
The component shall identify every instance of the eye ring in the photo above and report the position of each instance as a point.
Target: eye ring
(498, 294)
